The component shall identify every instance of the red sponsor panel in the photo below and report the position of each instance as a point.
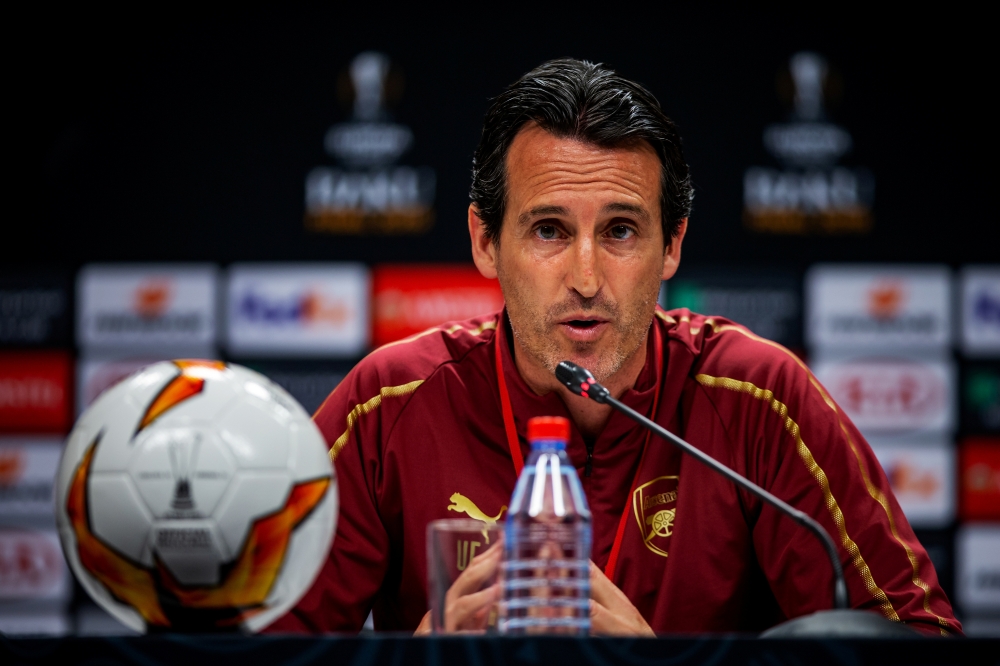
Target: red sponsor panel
(980, 479)
(412, 298)
(35, 392)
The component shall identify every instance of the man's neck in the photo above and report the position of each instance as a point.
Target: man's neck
(590, 417)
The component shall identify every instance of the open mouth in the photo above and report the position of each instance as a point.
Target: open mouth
(583, 323)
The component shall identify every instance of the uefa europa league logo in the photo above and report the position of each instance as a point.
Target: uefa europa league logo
(183, 456)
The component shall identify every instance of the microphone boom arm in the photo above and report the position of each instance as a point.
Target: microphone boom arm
(582, 382)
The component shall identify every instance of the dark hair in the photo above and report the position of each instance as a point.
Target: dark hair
(578, 99)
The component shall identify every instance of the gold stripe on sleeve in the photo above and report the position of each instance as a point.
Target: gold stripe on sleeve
(873, 491)
(368, 407)
(817, 473)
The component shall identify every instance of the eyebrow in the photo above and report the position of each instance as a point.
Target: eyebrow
(618, 207)
(539, 211)
(634, 209)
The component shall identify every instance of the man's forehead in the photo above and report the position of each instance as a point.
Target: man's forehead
(533, 144)
(540, 163)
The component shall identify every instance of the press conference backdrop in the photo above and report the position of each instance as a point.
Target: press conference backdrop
(287, 189)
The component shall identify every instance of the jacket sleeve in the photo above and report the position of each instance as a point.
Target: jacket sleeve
(344, 591)
(797, 443)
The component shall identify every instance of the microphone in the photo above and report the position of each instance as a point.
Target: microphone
(581, 382)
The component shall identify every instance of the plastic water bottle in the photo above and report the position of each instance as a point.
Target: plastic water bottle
(547, 537)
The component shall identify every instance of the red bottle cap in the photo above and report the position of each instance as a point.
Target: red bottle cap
(548, 427)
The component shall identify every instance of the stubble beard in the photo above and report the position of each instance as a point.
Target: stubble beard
(535, 327)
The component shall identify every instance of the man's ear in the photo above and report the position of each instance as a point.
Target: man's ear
(484, 250)
(672, 253)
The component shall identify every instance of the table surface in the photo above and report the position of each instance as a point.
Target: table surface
(487, 650)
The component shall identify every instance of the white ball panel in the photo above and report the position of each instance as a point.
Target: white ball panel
(117, 515)
(252, 495)
(256, 438)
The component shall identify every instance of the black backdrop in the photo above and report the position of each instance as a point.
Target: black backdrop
(188, 135)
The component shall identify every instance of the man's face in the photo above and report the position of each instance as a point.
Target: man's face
(581, 251)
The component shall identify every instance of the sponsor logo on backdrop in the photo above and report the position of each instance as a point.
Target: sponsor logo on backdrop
(981, 398)
(27, 476)
(34, 391)
(978, 568)
(980, 479)
(146, 306)
(811, 191)
(878, 307)
(32, 311)
(368, 191)
(922, 476)
(32, 566)
(885, 394)
(981, 311)
(298, 309)
(766, 303)
(411, 299)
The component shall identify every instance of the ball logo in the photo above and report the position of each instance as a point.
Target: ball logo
(183, 457)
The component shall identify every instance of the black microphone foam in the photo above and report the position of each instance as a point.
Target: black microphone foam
(580, 381)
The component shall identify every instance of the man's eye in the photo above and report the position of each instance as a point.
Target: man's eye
(622, 232)
(547, 232)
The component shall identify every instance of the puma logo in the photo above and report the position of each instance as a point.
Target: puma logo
(463, 504)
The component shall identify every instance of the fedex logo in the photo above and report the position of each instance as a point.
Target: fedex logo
(310, 308)
(298, 309)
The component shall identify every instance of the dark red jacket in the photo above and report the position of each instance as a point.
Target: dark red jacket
(420, 420)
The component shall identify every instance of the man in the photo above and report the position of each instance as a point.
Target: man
(580, 203)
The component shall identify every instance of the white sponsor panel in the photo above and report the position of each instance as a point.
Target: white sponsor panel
(13, 623)
(146, 305)
(27, 477)
(981, 310)
(885, 307)
(298, 309)
(977, 567)
(922, 476)
(892, 394)
(32, 566)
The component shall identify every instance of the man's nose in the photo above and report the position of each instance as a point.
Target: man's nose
(585, 275)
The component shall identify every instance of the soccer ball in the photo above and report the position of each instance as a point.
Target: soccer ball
(196, 496)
